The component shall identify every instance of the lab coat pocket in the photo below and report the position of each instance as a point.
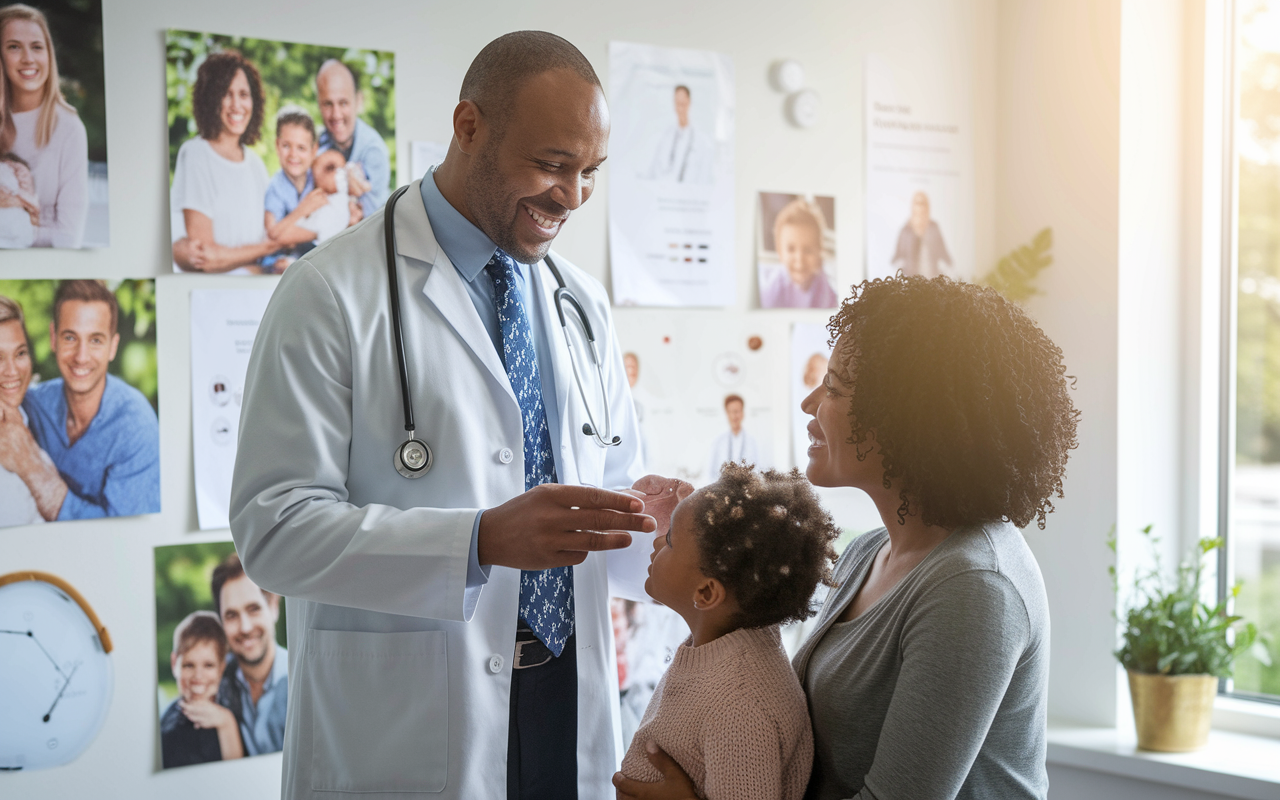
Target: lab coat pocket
(380, 719)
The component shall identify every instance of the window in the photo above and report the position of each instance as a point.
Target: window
(1251, 495)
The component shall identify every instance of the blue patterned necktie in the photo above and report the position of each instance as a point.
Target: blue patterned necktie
(546, 596)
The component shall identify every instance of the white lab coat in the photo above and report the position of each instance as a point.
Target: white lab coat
(400, 676)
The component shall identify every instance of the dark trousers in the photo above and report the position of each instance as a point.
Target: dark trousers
(542, 745)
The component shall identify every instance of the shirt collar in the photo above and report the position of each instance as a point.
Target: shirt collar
(466, 245)
(279, 669)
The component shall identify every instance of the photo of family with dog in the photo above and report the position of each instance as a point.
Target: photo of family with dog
(222, 668)
(79, 435)
(53, 130)
(273, 148)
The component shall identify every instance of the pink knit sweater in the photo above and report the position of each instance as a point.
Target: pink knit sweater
(733, 715)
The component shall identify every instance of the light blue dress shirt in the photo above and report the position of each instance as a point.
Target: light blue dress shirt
(470, 250)
(370, 150)
(261, 723)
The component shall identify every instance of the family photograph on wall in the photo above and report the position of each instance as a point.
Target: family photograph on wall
(274, 147)
(53, 125)
(79, 432)
(222, 670)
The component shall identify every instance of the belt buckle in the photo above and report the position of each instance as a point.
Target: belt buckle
(520, 654)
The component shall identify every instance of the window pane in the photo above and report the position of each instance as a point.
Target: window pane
(1254, 536)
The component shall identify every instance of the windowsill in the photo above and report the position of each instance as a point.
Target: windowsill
(1232, 764)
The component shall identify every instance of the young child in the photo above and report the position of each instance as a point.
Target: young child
(194, 728)
(307, 200)
(741, 557)
(329, 172)
(18, 189)
(801, 283)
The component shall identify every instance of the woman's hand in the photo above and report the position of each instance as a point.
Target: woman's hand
(189, 254)
(20, 454)
(675, 784)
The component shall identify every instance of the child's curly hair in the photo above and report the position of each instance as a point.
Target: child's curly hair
(767, 538)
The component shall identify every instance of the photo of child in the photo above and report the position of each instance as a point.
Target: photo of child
(21, 214)
(194, 729)
(742, 556)
(222, 671)
(796, 243)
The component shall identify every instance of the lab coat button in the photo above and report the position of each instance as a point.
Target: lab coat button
(495, 661)
(505, 456)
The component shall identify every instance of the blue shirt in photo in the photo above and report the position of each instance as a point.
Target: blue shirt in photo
(283, 197)
(261, 724)
(113, 470)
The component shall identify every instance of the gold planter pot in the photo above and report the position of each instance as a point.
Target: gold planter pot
(1172, 712)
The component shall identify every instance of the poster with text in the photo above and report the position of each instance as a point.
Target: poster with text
(809, 356)
(53, 126)
(671, 176)
(274, 147)
(224, 323)
(916, 171)
(796, 251)
(222, 670)
(79, 432)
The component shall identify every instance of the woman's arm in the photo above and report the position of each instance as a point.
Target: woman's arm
(287, 231)
(675, 784)
(20, 454)
(218, 258)
(960, 647)
(71, 204)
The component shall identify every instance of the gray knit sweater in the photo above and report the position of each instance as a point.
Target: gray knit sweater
(939, 690)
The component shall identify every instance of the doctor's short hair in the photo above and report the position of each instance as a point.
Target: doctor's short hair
(682, 88)
(229, 570)
(294, 115)
(197, 627)
(734, 398)
(767, 538)
(85, 291)
(495, 76)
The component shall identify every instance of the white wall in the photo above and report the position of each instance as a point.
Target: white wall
(942, 49)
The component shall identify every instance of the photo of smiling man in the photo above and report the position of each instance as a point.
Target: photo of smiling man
(222, 667)
(79, 428)
(248, 119)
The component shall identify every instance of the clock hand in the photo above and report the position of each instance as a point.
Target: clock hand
(60, 691)
(31, 635)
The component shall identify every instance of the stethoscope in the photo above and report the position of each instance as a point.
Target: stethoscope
(414, 458)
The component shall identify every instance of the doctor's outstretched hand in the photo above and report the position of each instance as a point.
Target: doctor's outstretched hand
(556, 525)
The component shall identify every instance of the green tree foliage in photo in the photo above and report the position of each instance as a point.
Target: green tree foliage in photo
(76, 28)
(135, 362)
(288, 78)
(1258, 308)
(183, 574)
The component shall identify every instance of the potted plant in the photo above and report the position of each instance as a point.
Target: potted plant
(1176, 648)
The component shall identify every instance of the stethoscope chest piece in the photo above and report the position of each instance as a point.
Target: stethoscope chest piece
(413, 458)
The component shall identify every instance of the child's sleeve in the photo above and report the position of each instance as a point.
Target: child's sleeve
(743, 754)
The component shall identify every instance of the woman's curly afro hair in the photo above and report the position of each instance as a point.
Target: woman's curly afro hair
(767, 538)
(967, 399)
(213, 79)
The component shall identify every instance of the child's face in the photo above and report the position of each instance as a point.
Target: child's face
(800, 248)
(325, 170)
(674, 574)
(198, 671)
(296, 148)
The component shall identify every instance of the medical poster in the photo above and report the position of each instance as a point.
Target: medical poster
(705, 393)
(917, 168)
(796, 250)
(53, 180)
(809, 356)
(79, 394)
(217, 630)
(671, 176)
(274, 147)
(224, 323)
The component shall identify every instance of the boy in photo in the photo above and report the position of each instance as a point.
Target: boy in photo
(801, 282)
(194, 729)
(742, 556)
(292, 195)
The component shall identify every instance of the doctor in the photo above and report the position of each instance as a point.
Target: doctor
(449, 636)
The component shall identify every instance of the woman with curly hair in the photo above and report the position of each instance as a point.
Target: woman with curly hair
(217, 202)
(927, 673)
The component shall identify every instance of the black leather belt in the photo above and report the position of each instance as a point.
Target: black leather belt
(530, 651)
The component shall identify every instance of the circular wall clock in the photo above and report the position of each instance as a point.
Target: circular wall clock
(55, 672)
